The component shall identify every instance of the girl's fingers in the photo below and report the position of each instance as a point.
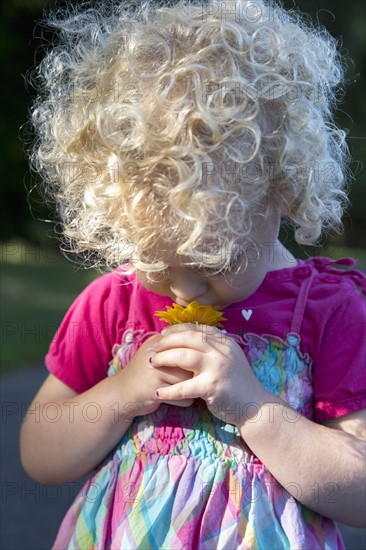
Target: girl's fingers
(183, 358)
(187, 335)
(181, 403)
(183, 390)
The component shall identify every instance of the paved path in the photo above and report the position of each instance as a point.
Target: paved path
(30, 512)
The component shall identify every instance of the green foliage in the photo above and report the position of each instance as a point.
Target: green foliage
(38, 286)
(346, 21)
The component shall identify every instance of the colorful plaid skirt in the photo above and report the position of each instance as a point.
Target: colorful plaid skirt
(181, 479)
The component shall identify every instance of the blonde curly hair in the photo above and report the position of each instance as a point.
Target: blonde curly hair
(184, 124)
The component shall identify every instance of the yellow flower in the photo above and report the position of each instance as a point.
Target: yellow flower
(193, 313)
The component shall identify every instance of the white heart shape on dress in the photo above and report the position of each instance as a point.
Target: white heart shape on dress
(246, 313)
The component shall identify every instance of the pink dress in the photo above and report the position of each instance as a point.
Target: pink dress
(182, 479)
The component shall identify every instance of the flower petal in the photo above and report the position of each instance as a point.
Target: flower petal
(193, 313)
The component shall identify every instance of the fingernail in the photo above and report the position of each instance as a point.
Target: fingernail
(164, 331)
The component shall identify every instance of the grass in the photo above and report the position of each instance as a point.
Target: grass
(38, 286)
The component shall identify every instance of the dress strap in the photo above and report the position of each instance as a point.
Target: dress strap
(302, 297)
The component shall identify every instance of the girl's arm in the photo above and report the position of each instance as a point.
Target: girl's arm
(321, 467)
(65, 435)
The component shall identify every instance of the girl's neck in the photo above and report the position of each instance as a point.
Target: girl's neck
(282, 258)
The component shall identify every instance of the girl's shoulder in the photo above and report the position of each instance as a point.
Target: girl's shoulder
(114, 282)
(121, 299)
(319, 288)
(332, 274)
(334, 271)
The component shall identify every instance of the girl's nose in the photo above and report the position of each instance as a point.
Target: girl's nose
(187, 286)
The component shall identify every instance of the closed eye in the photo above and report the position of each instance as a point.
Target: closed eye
(215, 272)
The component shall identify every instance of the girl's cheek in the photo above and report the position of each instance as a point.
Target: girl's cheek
(143, 280)
(157, 288)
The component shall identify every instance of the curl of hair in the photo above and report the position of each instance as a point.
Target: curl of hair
(185, 124)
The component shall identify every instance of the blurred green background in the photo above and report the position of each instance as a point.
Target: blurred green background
(38, 284)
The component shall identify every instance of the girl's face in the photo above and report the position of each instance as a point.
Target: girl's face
(185, 283)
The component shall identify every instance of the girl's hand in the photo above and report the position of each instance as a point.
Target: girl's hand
(222, 375)
(142, 380)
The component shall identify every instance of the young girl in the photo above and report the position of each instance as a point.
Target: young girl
(174, 140)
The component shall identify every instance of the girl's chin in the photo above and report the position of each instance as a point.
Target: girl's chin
(181, 302)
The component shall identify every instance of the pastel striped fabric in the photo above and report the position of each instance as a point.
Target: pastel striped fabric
(181, 479)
